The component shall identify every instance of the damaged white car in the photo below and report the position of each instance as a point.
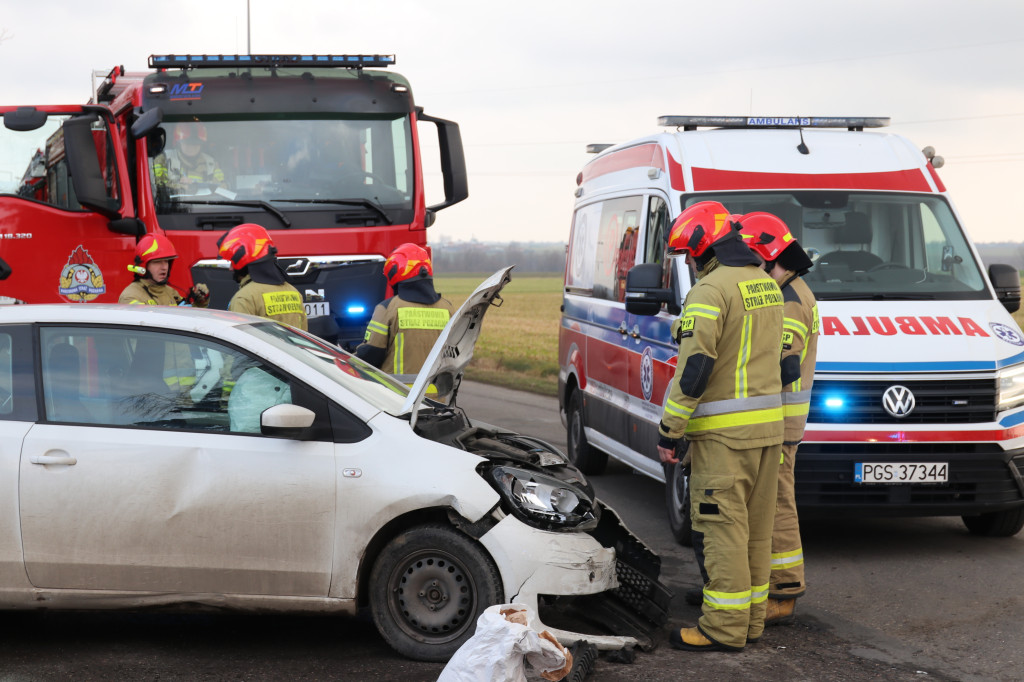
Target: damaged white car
(154, 457)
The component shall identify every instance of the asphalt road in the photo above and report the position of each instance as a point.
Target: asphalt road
(888, 599)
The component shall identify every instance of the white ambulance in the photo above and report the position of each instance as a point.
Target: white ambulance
(918, 399)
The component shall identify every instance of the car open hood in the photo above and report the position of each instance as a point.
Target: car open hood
(454, 348)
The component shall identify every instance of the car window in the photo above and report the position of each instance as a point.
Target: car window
(150, 379)
(17, 385)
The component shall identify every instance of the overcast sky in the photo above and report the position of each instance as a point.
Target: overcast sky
(533, 82)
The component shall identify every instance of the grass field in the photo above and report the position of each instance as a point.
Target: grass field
(518, 347)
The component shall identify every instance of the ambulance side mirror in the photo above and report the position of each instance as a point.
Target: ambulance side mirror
(1006, 281)
(644, 293)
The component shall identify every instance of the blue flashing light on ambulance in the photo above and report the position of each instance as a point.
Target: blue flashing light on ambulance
(324, 151)
(917, 406)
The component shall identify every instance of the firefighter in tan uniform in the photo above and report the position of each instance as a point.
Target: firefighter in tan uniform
(186, 168)
(405, 327)
(263, 290)
(154, 256)
(725, 400)
(786, 261)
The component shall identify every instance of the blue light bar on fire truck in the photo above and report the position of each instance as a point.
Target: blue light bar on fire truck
(848, 122)
(206, 61)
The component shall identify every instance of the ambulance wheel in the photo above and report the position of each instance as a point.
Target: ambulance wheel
(427, 589)
(589, 460)
(677, 502)
(1001, 524)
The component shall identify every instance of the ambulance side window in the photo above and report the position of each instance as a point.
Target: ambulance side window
(617, 238)
(658, 224)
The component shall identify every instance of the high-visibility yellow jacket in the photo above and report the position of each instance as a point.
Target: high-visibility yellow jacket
(799, 342)
(407, 331)
(147, 292)
(278, 302)
(727, 385)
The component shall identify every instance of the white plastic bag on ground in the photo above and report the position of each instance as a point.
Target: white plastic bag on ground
(503, 646)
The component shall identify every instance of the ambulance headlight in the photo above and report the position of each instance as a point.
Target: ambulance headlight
(542, 501)
(1011, 388)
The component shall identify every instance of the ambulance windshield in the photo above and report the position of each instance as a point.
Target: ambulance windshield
(873, 245)
(358, 170)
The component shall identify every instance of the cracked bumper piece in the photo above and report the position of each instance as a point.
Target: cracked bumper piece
(605, 581)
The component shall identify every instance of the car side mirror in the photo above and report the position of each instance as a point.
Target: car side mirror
(1006, 281)
(286, 421)
(644, 293)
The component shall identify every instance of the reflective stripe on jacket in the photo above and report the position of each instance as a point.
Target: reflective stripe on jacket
(800, 338)
(278, 302)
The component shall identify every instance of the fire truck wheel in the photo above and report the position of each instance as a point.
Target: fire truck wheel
(1001, 524)
(427, 589)
(677, 503)
(590, 461)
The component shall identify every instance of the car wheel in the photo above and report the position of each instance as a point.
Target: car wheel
(1001, 524)
(427, 589)
(587, 459)
(677, 502)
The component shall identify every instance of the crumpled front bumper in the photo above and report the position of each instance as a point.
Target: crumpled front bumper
(605, 580)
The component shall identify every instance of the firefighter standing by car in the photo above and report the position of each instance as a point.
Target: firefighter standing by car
(725, 399)
(263, 290)
(154, 256)
(786, 261)
(405, 327)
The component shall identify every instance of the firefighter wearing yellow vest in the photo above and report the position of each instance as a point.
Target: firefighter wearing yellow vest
(725, 400)
(405, 327)
(263, 290)
(154, 256)
(786, 261)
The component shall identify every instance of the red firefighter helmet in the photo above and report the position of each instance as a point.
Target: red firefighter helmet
(189, 131)
(153, 247)
(244, 244)
(698, 227)
(765, 234)
(406, 262)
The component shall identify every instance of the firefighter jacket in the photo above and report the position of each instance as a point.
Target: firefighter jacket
(799, 351)
(727, 382)
(278, 302)
(171, 167)
(402, 331)
(147, 292)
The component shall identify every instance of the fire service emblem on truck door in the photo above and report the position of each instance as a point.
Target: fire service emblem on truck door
(81, 280)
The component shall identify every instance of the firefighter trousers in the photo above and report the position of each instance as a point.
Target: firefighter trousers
(732, 505)
(787, 581)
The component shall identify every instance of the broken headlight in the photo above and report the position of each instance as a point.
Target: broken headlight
(541, 500)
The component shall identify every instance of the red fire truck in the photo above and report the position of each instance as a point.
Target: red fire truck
(322, 150)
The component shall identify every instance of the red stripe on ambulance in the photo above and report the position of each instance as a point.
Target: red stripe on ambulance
(641, 156)
(712, 179)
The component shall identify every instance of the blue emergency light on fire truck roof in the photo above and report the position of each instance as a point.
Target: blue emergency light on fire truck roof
(191, 61)
(849, 122)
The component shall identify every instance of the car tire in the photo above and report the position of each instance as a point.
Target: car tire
(677, 503)
(1001, 524)
(428, 586)
(587, 459)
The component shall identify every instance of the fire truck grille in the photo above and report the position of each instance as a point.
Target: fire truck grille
(964, 401)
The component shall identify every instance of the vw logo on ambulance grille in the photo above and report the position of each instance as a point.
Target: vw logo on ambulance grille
(898, 401)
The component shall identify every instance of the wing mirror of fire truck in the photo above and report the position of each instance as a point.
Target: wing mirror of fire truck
(1006, 282)
(644, 293)
(453, 161)
(5, 269)
(24, 119)
(84, 166)
(148, 125)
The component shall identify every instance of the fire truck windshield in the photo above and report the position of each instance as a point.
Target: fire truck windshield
(360, 168)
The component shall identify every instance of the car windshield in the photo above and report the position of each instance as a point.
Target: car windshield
(372, 385)
(358, 169)
(872, 245)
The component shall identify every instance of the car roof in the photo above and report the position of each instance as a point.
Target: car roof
(168, 317)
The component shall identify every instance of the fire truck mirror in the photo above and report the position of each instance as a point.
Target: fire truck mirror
(5, 269)
(24, 119)
(84, 166)
(147, 122)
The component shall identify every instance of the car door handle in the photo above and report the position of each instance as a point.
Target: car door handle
(53, 459)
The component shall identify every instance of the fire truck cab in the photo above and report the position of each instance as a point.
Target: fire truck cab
(321, 150)
(917, 406)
